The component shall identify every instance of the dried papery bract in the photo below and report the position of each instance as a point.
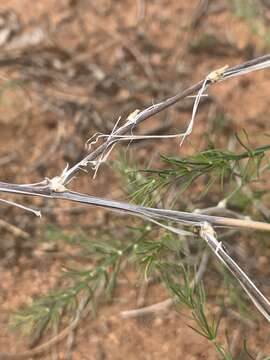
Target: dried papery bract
(137, 117)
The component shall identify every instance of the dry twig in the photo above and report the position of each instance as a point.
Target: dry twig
(55, 188)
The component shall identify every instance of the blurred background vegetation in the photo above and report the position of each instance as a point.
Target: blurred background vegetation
(70, 68)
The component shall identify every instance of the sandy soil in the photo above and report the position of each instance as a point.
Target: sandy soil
(99, 60)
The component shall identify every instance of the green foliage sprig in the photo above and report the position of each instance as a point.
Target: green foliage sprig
(217, 166)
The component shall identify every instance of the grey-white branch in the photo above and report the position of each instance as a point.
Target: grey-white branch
(57, 187)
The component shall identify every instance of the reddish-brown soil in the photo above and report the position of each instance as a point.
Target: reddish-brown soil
(99, 60)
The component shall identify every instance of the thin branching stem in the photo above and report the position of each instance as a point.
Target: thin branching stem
(260, 301)
(184, 218)
(56, 188)
(214, 77)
